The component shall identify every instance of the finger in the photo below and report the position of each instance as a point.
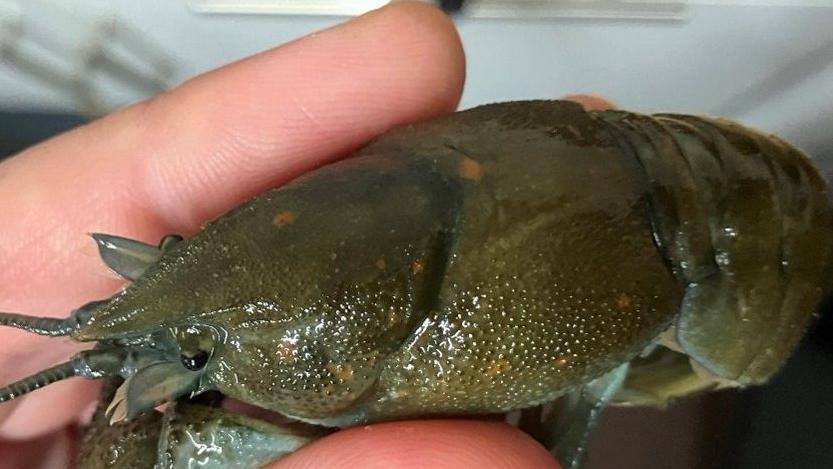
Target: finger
(53, 451)
(172, 163)
(591, 102)
(440, 444)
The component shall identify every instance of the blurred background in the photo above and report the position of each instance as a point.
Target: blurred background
(766, 63)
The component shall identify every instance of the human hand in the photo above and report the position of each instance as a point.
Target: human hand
(169, 164)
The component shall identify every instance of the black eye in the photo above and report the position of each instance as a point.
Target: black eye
(196, 362)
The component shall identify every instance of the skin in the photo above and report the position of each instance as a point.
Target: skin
(171, 163)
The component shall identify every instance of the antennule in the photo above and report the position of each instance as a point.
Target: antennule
(37, 381)
(52, 327)
(92, 364)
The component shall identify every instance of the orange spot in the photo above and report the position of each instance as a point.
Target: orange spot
(561, 362)
(470, 169)
(381, 263)
(285, 218)
(624, 301)
(417, 266)
(340, 371)
(498, 367)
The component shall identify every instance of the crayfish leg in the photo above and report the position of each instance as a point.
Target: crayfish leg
(217, 438)
(186, 433)
(578, 414)
(660, 378)
(125, 445)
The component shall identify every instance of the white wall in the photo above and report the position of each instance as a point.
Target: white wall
(768, 66)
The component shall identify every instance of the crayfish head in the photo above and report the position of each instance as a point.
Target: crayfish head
(164, 366)
(157, 366)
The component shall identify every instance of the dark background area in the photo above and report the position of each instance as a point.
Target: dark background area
(19, 130)
(786, 424)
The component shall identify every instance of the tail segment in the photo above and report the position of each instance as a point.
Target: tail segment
(746, 221)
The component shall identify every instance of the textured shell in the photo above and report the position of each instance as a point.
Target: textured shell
(476, 252)
(489, 260)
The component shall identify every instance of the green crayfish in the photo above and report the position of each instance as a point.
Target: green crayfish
(491, 260)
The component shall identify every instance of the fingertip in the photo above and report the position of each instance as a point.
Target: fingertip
(53, 451)
(591, 102)
(257, 123)
(441, 35)
(53, 407)
(430, 443)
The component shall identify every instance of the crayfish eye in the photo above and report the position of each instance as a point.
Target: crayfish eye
(195, 362)
(197, 345)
